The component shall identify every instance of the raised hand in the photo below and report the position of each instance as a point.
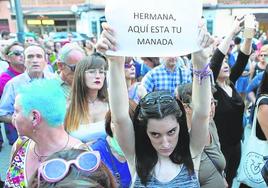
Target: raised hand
(107, 41)
(204, 38)
(204, 41)
(238, 24)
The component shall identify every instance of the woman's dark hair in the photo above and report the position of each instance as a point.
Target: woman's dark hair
(184, 92)
(159, 105)
(154, 60)
(263, 88)
(108, 117)
(101, 178)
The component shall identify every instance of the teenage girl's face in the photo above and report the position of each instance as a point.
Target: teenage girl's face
(163, 134)
(94, 78)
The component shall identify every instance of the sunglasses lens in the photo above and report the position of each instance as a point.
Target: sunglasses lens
(129, 65)
(71, 67)
(17, 53)
(166, 99)
(55, 169)
(150, 101)
(88, 161)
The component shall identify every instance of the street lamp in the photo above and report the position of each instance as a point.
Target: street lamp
(19, 19)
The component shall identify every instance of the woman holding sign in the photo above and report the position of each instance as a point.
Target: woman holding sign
(159, 150)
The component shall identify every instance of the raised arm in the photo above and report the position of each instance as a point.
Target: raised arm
(118, 95)
(242, 60)
(221, 51)
(201, 97)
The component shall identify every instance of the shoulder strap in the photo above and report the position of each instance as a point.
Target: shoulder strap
(18, 147)
(180, 72)
(253, 131)
(11, 74)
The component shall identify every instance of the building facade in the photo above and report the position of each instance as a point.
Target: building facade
(220, 15)
(45, 16)
(85, 16)
(6, 23)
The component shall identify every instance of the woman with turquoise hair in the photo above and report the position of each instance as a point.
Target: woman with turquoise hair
(40, 109)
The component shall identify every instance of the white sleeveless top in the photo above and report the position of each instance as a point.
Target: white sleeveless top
(90, 132)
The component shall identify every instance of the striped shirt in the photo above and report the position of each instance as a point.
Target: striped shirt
(182, 180)
(160, 78)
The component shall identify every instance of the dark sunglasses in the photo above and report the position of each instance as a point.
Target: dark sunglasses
(157, 99)
(16, 53)
(154, 100)
(128, 65)
(71, 67)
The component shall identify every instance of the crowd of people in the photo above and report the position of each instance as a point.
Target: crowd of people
(78, 118)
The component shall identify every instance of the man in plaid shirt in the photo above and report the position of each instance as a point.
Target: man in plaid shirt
(166, 76)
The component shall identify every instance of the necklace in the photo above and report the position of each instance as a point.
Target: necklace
(41, 157)
(92, 101)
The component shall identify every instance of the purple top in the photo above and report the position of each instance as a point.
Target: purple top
(6, 76)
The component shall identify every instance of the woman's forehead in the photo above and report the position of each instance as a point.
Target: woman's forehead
(162, 125)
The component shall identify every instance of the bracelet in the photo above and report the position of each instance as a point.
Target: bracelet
(203, 74)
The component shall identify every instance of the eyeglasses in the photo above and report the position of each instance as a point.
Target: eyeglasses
(71, 67)
(160, 99)
(16, 53)
(157, 104)
(95, 71)
(128, 65)
(55, 170)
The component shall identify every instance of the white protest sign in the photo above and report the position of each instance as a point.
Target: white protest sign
(154, 28)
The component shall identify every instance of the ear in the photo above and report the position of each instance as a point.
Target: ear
(186, 108)
(7, 58)
(60, 65)
(36, 117)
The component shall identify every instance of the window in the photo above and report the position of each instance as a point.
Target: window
(60, 23)
(4, 25)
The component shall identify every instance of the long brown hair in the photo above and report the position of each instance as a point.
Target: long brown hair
(78, 109)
